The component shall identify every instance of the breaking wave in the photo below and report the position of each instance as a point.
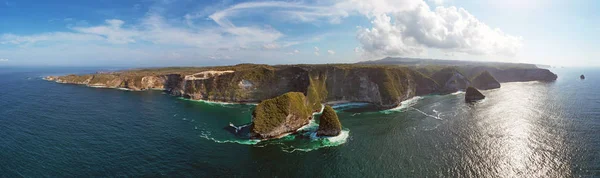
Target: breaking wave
(215, 102)
(305, 139)
(406, 104)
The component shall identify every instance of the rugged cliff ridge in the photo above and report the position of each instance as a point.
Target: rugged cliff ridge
(485, 81)
(383, 86)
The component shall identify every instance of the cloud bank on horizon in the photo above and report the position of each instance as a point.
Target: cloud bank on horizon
(163, 32)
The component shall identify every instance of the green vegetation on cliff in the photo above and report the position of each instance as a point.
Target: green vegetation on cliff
(382, 85)
(317, 91)
(272, 113)
(329, 123)
(75, 78)
(392, 83)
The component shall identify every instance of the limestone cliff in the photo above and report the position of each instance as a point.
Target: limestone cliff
(383, 86)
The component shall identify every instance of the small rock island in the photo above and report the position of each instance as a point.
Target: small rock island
(329, 124)
(582, 77)
(279, 116)
(473, 95)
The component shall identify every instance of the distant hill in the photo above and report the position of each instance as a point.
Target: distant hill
(418, 62)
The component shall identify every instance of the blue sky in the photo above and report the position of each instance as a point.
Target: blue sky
(222, 32)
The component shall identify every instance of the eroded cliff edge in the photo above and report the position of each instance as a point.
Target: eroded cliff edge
(383, 86)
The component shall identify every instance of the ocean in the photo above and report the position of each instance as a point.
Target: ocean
(523, 129)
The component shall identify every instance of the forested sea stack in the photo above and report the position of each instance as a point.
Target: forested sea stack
(329, 124)
(276, 117)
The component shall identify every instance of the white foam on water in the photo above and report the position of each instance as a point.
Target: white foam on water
(238, 141)
(403, 105)
(428, 115)
(458, 93)
(124, 89)
(340, 139)
(317, 142)
(216, 102)
(343, 105)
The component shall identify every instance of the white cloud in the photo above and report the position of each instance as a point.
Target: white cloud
(412, 31)
(289, 10)
(271, 46)
(3, 60)
(112, 31)
(53, 37)
(218, 56)
(294, 52)
(398, 28)
(438, 2)
(358, 50)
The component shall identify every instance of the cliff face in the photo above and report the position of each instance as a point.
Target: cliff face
(485, 81)
(451, 80)
(384, 86)
(503, 75)
(524, 75)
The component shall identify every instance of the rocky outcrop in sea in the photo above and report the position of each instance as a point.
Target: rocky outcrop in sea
(472, 95)
(329, 123)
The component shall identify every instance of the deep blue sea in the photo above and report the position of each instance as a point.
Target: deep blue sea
(523, 129)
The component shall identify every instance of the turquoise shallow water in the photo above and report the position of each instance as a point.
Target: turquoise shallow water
(528, 129)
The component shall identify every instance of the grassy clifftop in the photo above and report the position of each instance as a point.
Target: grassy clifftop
(281, 114)
(383, 85)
